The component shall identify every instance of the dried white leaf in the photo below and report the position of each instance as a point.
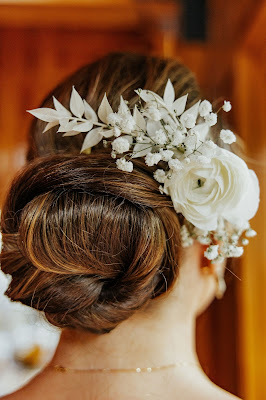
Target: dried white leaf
(192, 112)
(76, 104)
(179, 105)
(67, 127)
(149, 96)
(63, 121)
(123, 108)
(92, 138)
(104, 110)
(83, 126)
(169, 93)
(108, 133)
(45, 114)
(140, 121)
(141, 149)
(62, 111)
(50, 125)
(90, 114)
(202, 131)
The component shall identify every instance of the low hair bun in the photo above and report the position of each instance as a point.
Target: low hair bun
(87, 243)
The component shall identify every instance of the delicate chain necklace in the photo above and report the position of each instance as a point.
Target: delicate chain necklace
(60, 368)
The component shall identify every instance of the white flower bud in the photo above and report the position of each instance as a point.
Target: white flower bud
(227, 106)
(189, 121)
(227, 136)
(124, 165)
(159, 175)
(250, 233)
(113, 119)
(234, 251)
(117, 131)
(166, 154)
(203, 240)
(175, 164)
(160, 137)
(177, 138)
(211, 119)
(127, 124)
(212, 252)
(152, 159)
(205, 108)
(120, 145)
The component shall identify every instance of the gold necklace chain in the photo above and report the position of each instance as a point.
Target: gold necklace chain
(60, 368)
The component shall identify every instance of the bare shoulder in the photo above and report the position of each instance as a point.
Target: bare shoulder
(34, 389)
(218, 394)
(18, 395)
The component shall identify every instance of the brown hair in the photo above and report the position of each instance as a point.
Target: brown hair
(85, 242)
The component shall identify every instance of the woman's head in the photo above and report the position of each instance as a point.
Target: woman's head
(85, 242)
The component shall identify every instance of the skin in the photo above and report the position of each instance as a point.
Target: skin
(161, 334)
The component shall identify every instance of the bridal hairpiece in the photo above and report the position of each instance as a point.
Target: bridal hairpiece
(210, 186)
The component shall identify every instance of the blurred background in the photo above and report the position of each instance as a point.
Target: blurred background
(222, 41)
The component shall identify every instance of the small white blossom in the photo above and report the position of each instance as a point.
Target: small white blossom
(205, 108)
(212, 252)
(120, 145)
(250, 233)
(203, 240)
(227, 136)
(117, 131)
(235, 238)
(189, 121)
(160, 137)
(227, 106)
(160, 175)
(245, 242)
(234, 251)
(186, 161)
(124, 165)
(176, 138)
(127, 123)
(190, 142)
(166, 154)
(211, 119)
(175, 164)
(113, 154)
(113, 119)
(152, 159)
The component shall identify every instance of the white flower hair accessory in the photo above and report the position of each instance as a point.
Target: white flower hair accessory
(210, 186)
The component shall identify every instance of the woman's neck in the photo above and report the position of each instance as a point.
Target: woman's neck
(144, 340)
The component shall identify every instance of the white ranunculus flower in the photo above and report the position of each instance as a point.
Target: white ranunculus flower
(225, 188)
